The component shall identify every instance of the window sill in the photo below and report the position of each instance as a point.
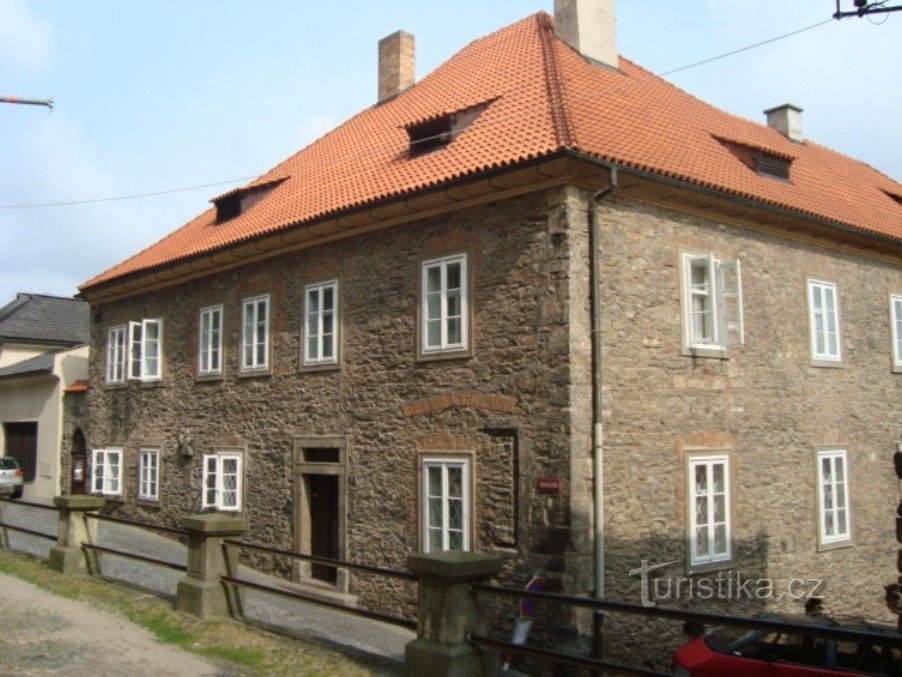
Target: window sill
(826, 364)
(324, 366)
(115, 386)
(835, 545)
(711, 352)
(457, 354)
(897, 369)
(149, 503)
(257, 373)
(156, 383)
(111, 498)
(710, 567)
(208, 378)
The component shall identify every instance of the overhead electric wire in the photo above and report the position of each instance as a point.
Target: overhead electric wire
(606, 90)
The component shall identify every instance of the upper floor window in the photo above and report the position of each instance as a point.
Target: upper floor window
(446, 511)
(145, 339)
(833, 496)
(709, 509)
(107, 472)
(209, 359)
(321, 328)
(444, 305)
(712, 302)
(896, 321)
(115, 355)
(823, 320)
(255, 334)
(222, 481)
(149, 475)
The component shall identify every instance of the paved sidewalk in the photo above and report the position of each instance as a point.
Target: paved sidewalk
(44, 634)
(309, 621)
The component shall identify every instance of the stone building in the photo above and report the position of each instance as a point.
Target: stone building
(385, 344)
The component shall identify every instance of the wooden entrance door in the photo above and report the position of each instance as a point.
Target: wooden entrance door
(79, 479)
(22, 445)
(322, 494)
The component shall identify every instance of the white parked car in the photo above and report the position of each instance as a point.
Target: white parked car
(11, 480)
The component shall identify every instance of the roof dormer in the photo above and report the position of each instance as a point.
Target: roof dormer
(232, 204)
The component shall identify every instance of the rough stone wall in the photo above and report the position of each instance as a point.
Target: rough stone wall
(765, 404)
(75, 415)
(509, 404)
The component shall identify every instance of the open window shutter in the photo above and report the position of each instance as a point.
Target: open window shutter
(97, 472)
(729, 283)
(134, 350)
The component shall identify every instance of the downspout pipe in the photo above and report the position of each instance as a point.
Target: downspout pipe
(597, 428)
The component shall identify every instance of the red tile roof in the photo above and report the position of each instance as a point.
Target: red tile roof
(77, 387)
(542, 97)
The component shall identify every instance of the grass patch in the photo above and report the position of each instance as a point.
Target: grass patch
(244, 649)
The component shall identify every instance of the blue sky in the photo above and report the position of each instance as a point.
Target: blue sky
(165, 94)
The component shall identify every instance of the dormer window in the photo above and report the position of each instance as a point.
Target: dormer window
(236, 202)
(772, 166)
(437, 133)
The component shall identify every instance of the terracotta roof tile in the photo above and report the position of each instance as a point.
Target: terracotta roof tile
(542, 97)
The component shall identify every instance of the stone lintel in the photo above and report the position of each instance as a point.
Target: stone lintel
(215, 524)
(454, 567)
(79, 502)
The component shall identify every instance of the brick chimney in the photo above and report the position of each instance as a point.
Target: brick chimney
(396, 64)
(786, 119)
(589, 27)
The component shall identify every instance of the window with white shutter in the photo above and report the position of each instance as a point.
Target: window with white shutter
(712, 303)
(446, 510)
(444, 303)
(107, 472)
(145, 345)
(209, 341)
(255, 334)
(823, 320)
(895, 312)
(116, 355)
(149, 475)
(321, 323)
(222, 481)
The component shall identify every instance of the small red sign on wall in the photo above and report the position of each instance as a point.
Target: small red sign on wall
(549, 485)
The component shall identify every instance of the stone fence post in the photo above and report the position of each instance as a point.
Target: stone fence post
(201, 592)
(73, 529)
(449, 610)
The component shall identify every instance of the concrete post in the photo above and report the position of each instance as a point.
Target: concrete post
(73, 529)
(448, 611)
(201, 592)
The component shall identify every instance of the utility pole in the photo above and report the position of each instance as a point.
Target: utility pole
(27, 102)
(865, 8)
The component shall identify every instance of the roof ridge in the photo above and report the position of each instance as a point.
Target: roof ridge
(560, 116)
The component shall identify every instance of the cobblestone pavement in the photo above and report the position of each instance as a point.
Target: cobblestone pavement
(309, 621)
(44, 634)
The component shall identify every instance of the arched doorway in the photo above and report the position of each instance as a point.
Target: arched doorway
(79, 476)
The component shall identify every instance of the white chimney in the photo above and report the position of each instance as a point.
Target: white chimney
(589, 27)
(786, 119)
(396, 64)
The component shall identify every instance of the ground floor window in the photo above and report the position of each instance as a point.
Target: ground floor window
(107, 469)
(446, 504)
(149, 475)
(709, 509)
(833, 496)
(222, 481)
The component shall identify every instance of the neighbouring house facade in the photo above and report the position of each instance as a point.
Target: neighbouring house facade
(43, 352)
(385, 344)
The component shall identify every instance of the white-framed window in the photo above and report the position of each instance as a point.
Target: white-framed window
(712, 302)
(321, 323)
(833, 496)
(107, 472)
(444, 305)
(209, 341)
(145, 342)
(446, 504)
(222, 481)
(255, 334)
(823, 320)
(149, 475)
(115, 354)
(895, 315)
(709, 510)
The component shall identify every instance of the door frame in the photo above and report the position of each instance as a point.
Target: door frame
(301, 511)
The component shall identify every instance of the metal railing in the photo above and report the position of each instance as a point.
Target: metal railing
(135, 556)
(326, 561)
(24, 530)
(841, 634)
